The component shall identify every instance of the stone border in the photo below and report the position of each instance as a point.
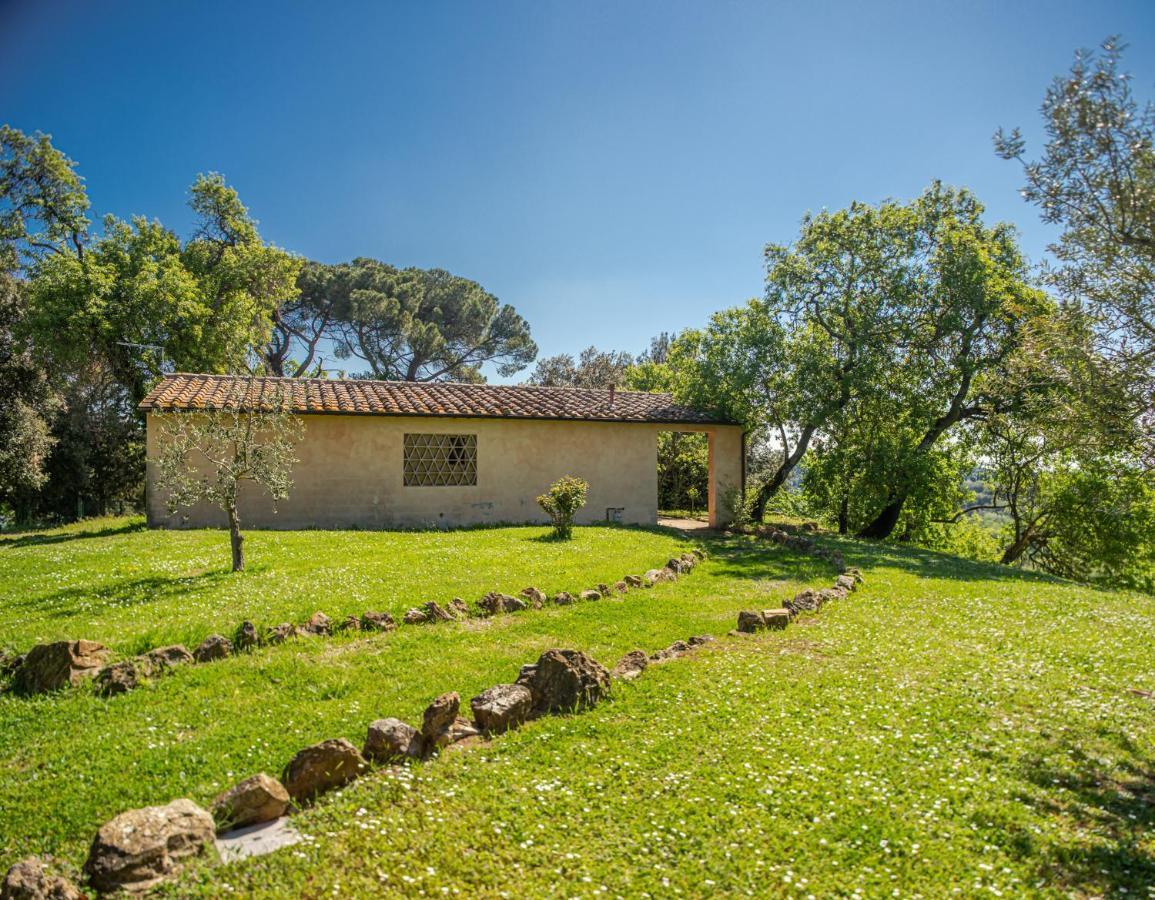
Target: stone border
(73, 662)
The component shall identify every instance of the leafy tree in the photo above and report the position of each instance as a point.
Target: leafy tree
(592, 369)
(43, 204)
(1096, 179)
(206, 456)
(420, 325)
(561, 503)
(301, 326)
(28, 406)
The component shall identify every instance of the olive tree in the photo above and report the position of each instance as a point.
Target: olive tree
(206, 455)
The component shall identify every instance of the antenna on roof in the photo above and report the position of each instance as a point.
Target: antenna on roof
(613, 393)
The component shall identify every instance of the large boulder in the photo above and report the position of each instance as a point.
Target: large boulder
(50, 667)
(391, 740)
(501, 707)
(377, 621)
(168, 657)
(566, 680)
(258, 799)
(631, 665)
(142, 847)
(215, 646)
(322, 767)
(30, 879)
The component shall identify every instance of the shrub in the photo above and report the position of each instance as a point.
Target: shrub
(562, 501)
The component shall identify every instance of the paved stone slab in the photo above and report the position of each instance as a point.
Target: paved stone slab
(257, 840)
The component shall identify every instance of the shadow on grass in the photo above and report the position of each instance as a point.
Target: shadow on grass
(1117, 809)
(37, 538)
(117, 595)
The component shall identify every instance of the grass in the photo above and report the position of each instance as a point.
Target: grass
(951, 726)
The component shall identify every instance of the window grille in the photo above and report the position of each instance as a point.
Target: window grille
(440, 459)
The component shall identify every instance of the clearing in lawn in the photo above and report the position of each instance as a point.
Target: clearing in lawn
(950, 725)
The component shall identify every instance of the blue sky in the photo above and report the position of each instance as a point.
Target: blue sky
(611, 169)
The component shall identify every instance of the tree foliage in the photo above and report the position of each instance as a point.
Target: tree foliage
(207, 456)
(593, 368)
(561, 503)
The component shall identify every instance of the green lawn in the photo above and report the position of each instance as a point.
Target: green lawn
(949, 726)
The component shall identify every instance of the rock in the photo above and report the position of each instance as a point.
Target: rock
(415, 617)
(501, 707)
(675, 565)
(318, 623)
(855, 573)
(604, 590)
(120, 678)
(776, 619)
(676, 649)
(750, 621)
(246, 636)
(439, 716)
(634, 581)
(590, 595)
(837, 560)
(699, 639)
(566, 680)
(278, 634)
(50, 667)
(698, 553)
(215, 646)
(630, 666)
(459, 608)
(515, 604)
(10, 661)
(805, 601)
(563, 598)
(29, 879)
(460, 730)
(846, 582)
(493, 603)
(535, 597)
(350, 623)
(168, 657)
(829, 595)
(258, 799)
(653, 576)
(621, 587)
(437, 613)
(377, 621)
(391, 740)
(526, 673)
(670, 574)
(143, 847)
(322, 767)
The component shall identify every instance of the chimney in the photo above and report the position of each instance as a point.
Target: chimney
(613, 392)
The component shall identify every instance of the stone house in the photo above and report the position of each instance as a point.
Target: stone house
(384, 454)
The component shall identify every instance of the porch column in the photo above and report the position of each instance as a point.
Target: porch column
(726, 473)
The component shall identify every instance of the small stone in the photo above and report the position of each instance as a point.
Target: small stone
(377, 621)
(670, 574)
(855, 573)
(621, 587)
(653, 576)
(119, 678)
(215, 646)
(246, 636)
(278, 634)
(415, 617)
(29, 879)
(675, 565)
(634, 581)
(604, 590)
(260, 798)
(322, 767)
(630, 666)
(846, 582)
(526, 673)
(168, 657)
(438, 717)
(750, 621)
(50, 667)
(805, 601)
(459, 608)
(461, 729)
(501, 707)
(563, 598)
(350, 623)
(566, 680)
(515, 604)
(590, 595)
(391, 740)
(776, 619)
(437, 613)
(318, 623)
(143, 847)
(698, 553)
(535, 597)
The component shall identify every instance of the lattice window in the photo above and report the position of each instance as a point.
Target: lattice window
(440, 459)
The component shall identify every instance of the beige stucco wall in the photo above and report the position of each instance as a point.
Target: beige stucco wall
(349, 474)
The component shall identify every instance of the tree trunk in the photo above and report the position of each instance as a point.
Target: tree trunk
(1017, 548)
(236, 539)
(884, 522)
(770, 488)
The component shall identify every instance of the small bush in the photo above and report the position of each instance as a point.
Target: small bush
(562, 501)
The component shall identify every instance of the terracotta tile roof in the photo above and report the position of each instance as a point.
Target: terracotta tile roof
(406, 398)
